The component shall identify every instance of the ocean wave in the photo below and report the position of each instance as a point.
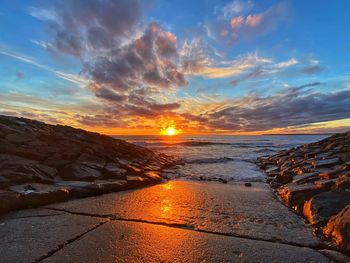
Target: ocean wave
(218, 160)
(209, 143)
(210, 160)
(265, 150)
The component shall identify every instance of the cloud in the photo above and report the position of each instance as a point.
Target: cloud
(313, 84)
(20, 75)
(254, 20)
(286, 64)
(237, 22)
(240, 23)
(312, 69)
(149, 61)
(266, 69)
(41, 13)
(121, 56)
(135, 68)
(92, 25)
(236, 7)
(212, 69)
(43, 44)
(76, 79)
(290, 108)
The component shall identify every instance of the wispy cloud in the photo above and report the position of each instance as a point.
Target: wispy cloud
(41, 13)
(76, 79)
(198, 63)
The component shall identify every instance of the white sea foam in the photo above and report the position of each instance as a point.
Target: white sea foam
(218, 158)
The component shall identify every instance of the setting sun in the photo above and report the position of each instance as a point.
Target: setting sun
(170, 131)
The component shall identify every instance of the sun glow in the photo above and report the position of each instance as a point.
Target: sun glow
(170, 131)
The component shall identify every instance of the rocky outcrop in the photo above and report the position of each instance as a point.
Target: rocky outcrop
(338, 228)
(314, 180)
(42, 163)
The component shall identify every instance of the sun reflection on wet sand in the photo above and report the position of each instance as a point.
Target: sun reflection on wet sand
(165, 208)
(168, 186)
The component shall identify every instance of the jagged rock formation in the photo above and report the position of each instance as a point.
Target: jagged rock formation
(314, 180)
(41, 163)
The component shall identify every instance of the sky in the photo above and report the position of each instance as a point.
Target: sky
(129, 67)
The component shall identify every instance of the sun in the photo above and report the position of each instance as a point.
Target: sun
(170, 131)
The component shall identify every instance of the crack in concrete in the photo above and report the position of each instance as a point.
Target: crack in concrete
(69, 241)
(192, 228)
(108, 216)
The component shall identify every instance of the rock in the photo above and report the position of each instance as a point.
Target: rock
(305, 178)
(313, 179)
(343, 181)
(18, 138)
(134, 181)
(345, 156)
(300, 170)
(80, 171)
(19, 172)
(224, 181)
(49, 171)
(9, 201)
(295, 195)
(35, 152)
(335, 255)
(322, 206)
(33, 195)
(247, 184)
(338, 229)
(154, 176)
(80, 188)
(272, 169)
(285, 177)
(325, 184)
(330, 174)
(115, 170)
(107, 186)
(326, 162)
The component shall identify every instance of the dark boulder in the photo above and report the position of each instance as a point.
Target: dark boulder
(322, 206)
(80, 171)
(33, 195)
(295, 195)
(338, 229)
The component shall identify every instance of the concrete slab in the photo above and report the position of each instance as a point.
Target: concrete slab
(30, 235)
(139, 242)
(251, 212)
(30, 213)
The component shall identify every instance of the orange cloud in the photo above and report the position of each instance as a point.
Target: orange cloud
(237, 22)
(253, 20)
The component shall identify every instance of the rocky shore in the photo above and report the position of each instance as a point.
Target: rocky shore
(42, 164)
(314, 180)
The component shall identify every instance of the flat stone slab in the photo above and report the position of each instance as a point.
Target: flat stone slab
(232, 209)
(139, 242)
(28, 235)
(30, 213)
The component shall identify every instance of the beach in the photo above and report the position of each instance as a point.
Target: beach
(94, 198)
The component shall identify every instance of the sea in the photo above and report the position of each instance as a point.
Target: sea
(220, 158)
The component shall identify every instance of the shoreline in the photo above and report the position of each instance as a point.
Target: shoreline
(85, 166)
(314, 181)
